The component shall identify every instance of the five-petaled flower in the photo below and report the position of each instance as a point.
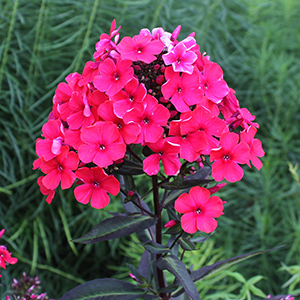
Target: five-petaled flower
(199, 210)
(96, 185)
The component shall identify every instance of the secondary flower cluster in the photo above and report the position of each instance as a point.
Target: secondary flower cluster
(150, 90)
(5, 256)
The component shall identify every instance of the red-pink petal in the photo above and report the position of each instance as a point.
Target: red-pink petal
(83, 193)
(51, 180)
(232, 171)
(189, 222)
(199, 195)
(99, 198)
(184, 204)
(67, 179)
(206, 224)
(151, 164)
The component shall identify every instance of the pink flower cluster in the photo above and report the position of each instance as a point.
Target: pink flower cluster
(150, 90)
(5, 256)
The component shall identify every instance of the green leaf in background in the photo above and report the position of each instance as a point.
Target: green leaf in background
(178, 269)
(116, 227)
(106, 289)
(209, 270)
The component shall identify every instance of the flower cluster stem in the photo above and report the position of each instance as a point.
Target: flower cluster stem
(157, 209)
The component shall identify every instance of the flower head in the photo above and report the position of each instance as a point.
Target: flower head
(199, 210)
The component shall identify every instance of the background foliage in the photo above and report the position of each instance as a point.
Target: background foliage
(256, 42)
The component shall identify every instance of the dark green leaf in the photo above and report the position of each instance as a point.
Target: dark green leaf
(169, 289)
(209, 270)
(155, 248)
(129, 167)
(186, 244)
(176, 229)
(106, 289)
(198, 178)
(178, 269)
(129, 183)
(173, 195)
(116, 227)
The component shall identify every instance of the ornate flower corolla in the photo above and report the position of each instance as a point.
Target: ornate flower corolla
(150, 98)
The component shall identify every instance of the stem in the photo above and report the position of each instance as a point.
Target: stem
(139, 206)
(160, 274)
(177, 238)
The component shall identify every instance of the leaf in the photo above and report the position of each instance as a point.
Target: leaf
(211, 269)
(176, 229)
(198, 178)
(106, 289)
(186, 244)
(201, 239)
(155, 248)
(178, 269)
(144, 264)
(129, 167)
(116, 227)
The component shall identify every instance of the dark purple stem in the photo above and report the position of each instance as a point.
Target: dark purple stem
(157, 209)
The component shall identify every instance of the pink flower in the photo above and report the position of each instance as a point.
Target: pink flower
(204, 121)
(102, 144)
(227, 157)
(151, 117)
(255, 145)
(183, 90)
(180, 58)
(113, 77)
(128, 132)
(192, 144)
(60, 170)
(166, 152)
(81, 115)
(140, 48)
(1, 233)
(51, 146)
(5, 257)
(199, 210)
(132, 95)
(106, 43)
(212, 83)
(89, 72)
(96, 186)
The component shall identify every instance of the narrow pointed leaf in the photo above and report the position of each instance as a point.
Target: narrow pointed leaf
(201, 239)
(211, 269)
(198, 178)
(178, 269)
(129, 167)
(155, 248)
(186, 244)
(116, 227)
(106, 289)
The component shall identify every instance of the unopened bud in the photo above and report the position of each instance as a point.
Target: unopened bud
(170, 224)
(160, 79)
(130, 193)
(133, 277)
(216, 188)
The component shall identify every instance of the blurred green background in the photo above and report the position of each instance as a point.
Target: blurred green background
(257, 43)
